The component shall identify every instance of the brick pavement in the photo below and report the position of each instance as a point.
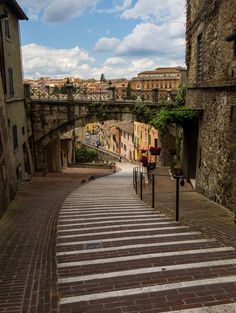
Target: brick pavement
(28, 279)
(118, 256)
(143, 269)
(195, 209)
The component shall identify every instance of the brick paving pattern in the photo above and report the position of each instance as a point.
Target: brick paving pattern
(28, 279)
(98, 248)
(116, 254)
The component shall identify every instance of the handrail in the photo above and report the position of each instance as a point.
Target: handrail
(138, 177)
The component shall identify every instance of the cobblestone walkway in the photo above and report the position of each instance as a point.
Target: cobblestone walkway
(116, 254)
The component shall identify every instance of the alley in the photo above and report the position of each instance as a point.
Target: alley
(115, 254)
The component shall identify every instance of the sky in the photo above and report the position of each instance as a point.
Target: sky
(85, 38)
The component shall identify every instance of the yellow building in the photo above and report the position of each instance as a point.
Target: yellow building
(166, 79)
(145, 136)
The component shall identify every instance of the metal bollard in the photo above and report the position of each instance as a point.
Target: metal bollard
(141, 185)
(153, 190)
(177, 200)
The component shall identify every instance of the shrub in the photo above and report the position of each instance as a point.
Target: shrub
(84, 155)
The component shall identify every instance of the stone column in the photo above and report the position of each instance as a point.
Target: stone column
(69, 91)
(113, 93)
(27, 93)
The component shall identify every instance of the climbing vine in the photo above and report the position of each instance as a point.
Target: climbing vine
(143, 112)
(178, 115)
(100, 110)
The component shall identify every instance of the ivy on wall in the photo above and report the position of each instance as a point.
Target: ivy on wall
(167, 116)
(99, 110)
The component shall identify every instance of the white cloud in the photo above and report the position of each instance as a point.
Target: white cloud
(118, 5)
(44, 61)
(61, 10)
(57, 10)
(106, 44)
(48, 61)
(161, 10)
(148, 39)
(115, 61)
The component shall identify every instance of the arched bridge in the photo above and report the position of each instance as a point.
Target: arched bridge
(52, 114)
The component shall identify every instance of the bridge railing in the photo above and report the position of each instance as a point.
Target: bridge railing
(70, 92)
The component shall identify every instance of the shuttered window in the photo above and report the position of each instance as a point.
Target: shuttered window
(15, 137)
(11, 82)
(199, 58)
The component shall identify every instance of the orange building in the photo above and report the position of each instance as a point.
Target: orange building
(165, 79)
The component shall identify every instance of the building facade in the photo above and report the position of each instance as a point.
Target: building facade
(166, 79)
(211, 74)
(14, 91)
(145, 136)
(18, 129)
(8, 183)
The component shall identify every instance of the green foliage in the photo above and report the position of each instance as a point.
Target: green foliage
(179, 116)
(84, 155)
(181, 96)
(143, 112)
(128, 91)
(100, 110)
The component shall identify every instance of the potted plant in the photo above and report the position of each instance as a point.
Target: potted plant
(144, 160)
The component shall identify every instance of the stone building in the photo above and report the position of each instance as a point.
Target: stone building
(13, 114)
(13, 85)
(211, 75)
(165, 79)
(8, 184)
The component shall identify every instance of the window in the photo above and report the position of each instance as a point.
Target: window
(15, 138)
(23, 130)
(1, 146)
(125, 148)
(199, 58)
(10, 79)
(7, 28)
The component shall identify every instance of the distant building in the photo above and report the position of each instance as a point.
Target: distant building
(145, 136)
(127, 140)
(166, 79)
(210, 145)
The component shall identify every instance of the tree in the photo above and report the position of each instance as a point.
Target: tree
(180, 98)
(102, 79)
(128, 91)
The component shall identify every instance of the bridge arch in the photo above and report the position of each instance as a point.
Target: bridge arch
(51, 118)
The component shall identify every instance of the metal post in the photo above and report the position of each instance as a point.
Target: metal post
(133, 176)
(153, 190)
(136, 182)
(177, 199)
(141, 185)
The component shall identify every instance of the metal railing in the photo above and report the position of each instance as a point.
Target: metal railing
(142, 178)
(70, 92)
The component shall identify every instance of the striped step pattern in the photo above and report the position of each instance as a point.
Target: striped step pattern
(116, 254)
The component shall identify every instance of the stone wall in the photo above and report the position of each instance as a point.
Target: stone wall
(215, 93)
(8, 184)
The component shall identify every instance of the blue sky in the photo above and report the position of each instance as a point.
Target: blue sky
(85, 38)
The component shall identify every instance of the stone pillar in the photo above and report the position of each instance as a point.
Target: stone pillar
(69, 91)
(27, 93)
(53, 156)
(113, 93)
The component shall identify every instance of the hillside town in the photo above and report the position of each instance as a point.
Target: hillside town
(167, 128)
